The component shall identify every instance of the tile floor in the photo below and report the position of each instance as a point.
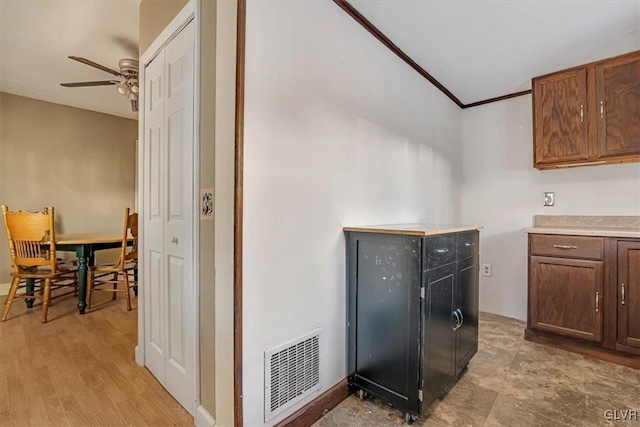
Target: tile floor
(515, 383)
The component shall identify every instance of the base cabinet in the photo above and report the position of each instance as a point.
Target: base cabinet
(412, 314)
(468, 271)
(439, 332)
(629, 294)
(566, 296)
(586, 290)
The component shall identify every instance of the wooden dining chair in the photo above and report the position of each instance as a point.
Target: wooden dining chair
(32, 245)
(122, 273)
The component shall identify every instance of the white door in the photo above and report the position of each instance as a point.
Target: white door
(154, 213)
(168, 228)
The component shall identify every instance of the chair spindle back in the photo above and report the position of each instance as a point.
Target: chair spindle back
(130, 230)
(31, 237)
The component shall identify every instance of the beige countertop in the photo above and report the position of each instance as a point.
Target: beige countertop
(582, 231)
(575, 225)
(413, 229)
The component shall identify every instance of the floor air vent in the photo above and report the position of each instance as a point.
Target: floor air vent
(292, 372)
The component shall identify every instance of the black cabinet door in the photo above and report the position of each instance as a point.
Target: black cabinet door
(438, 332)
(467, 297)
(384, 317)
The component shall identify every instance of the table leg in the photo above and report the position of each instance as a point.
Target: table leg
(135, 280)
(30, 288)
(82, 283)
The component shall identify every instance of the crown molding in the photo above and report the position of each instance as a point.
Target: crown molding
(367, 25)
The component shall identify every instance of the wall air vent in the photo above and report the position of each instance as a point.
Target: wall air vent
(292, 372)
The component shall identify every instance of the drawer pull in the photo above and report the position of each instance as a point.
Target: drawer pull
(565, 246)
(442, 251)
(597, 302)
(467, 244)
(623, 294)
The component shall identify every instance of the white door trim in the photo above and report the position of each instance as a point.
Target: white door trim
(190, 12)
(186, 14)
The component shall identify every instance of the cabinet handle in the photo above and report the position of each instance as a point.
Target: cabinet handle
(461, 317)
(602, 109)
(597, 302)
(442, 251)
(174, 240)
(623, 294)
(565, 246)
(467, 244)
(581, 113)
(456, 322)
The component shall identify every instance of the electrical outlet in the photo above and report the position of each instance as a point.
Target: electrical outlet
(486, 270)
(549, 198)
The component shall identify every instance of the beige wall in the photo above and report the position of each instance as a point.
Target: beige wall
(224, 200)
(79, 161)
(155, 15)
(207, 180)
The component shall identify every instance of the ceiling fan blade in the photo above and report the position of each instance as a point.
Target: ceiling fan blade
(83, 84)
(134, 105)
(98, 66)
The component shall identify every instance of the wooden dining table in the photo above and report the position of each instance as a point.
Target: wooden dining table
(85, 246)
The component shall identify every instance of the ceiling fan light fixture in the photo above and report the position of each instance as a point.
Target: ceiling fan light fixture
(128, 87)
(123, 88)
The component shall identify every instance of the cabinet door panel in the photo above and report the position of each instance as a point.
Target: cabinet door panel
(438, 332)
(467, 295)
(383, 325)
(566, 297)
(560, 112)
(618, 118)
(629, 303)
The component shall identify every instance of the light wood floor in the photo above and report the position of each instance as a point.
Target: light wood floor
(79, 370)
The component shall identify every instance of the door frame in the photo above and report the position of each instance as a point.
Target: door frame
(190, 12)
(238, 213)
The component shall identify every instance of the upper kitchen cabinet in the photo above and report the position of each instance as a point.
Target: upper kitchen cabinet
(618, 119)
(559, 107)
(588, 115)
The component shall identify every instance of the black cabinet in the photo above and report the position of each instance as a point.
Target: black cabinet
(467, 297)
(412, 315)
(439, 332)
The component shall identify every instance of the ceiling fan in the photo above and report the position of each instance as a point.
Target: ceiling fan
(127, 85)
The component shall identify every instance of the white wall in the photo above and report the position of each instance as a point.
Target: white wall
(338, 131)
(502, 191)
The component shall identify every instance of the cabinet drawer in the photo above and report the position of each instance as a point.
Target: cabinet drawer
(468, 243)
(440, 250)
(567, 246)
